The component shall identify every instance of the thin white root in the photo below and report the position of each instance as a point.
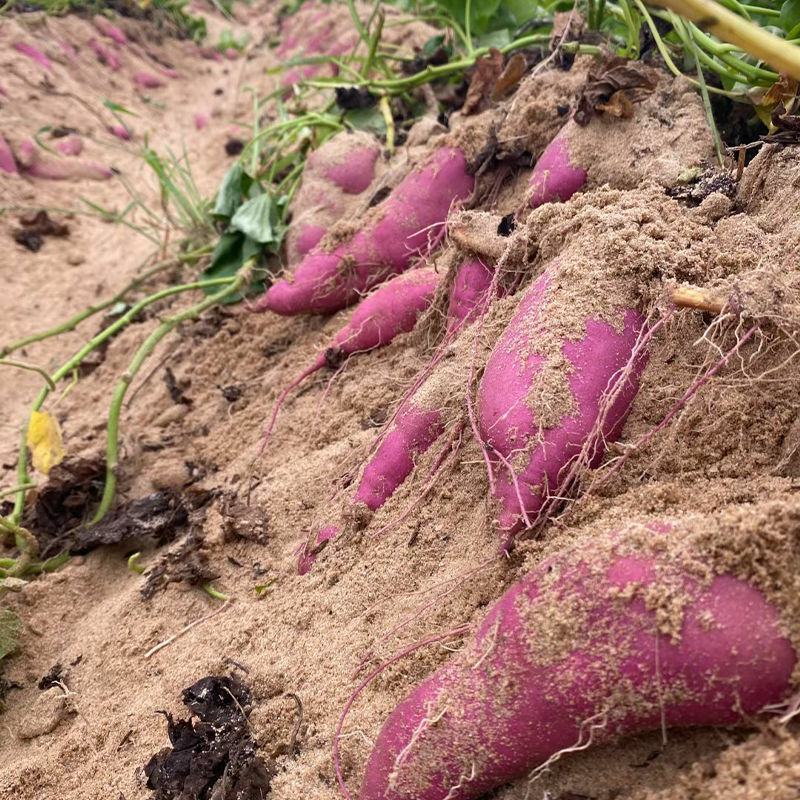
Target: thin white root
(167, 642)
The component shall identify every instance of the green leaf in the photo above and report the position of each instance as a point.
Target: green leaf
(232, 250)
(259, 219)
(494, 39)
(366, 119)
(790, 14)
(10, 627)
(119, 109)
(482, 13)
(229, 196)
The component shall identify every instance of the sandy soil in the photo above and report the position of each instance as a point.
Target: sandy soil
(735, 445)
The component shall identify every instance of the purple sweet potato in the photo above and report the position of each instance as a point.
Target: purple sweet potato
(326, 281)
(531, 439)
(146, 80)
(556, 175)
(70, 145)
(34, 54)
(8, 163)
(38, 164)
(110, 30)
(105, 55)
(334, 175)
(392, 309)
(612, 639)
(469, 293)
(120, 131)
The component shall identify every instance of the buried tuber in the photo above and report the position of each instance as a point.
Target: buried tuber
(635, 632)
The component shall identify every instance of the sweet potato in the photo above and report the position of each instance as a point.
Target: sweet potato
(34, 54)
(617, 638)
(120, 131)
(105, 55)
(556, 175)
(8, 163)
(146, 80)
(390, 310)
(326, 281)
(469, 293)
(530, 453)
(110, 30)
(334, 175)
(37, 164)
(70, 145)
(420, 420)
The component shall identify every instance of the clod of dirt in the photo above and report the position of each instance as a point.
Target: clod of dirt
(49, 708)
(176, 393)
(612, 87)
(35, 227)
(234, 146)
(155, 517)
(243, 521)
(213, 755)
(185, 562)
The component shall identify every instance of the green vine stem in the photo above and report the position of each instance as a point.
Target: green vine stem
(10, 362)
(73, 322)
(431, 73)
(22, 463)
(235, 285)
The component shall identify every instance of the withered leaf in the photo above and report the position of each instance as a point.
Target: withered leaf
(608, 78)
(618, 105)
(482, 80)
(213, 754)
(510, 76)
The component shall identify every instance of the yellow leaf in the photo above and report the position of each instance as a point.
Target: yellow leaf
(44, 441)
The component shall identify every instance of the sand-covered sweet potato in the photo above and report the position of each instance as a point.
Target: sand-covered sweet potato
(635, 632)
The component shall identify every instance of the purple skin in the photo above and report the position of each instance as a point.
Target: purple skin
(308, 238)
(34, 54)
(307, 557)
(508, 425)
(120, 131)
(390, 310)
(8, 163)
(326, 282)
(469, 293)
(105, 55)
(414, 431)
(717, 673)
(555, 177)
(146, 80)
(70, 146)
(111, 31)
(354, 175)
(40, 165)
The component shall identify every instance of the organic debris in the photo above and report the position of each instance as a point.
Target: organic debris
(245, 522)
(185, 562)
(63, 503)
(35, 227)
(482, 81)
(213, 755)
(612, 87)
(55, 676)
(703, 184)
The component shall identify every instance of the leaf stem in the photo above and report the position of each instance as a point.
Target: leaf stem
(234, 285)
